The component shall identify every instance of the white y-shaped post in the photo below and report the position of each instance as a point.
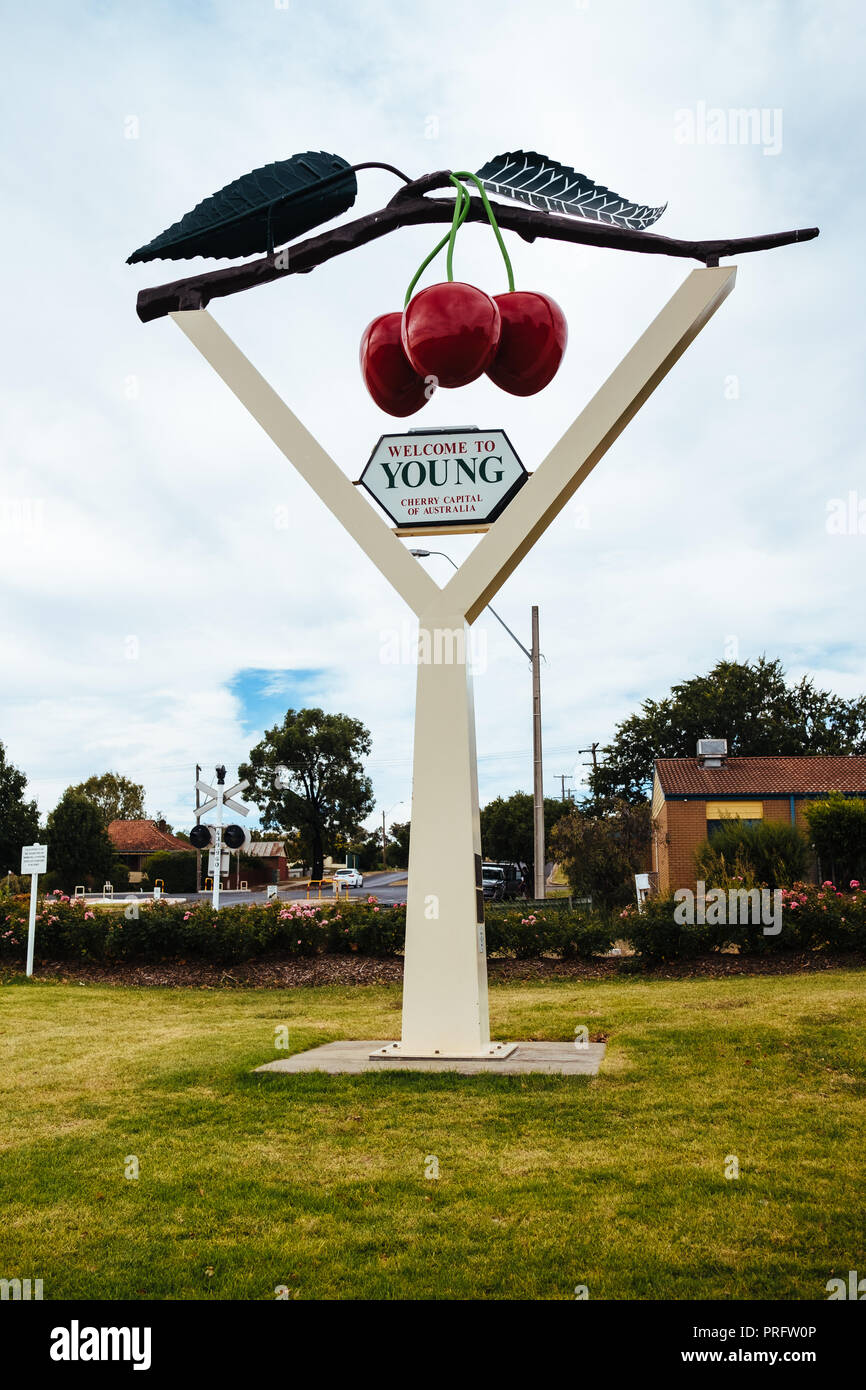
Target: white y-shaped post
(445, 1010)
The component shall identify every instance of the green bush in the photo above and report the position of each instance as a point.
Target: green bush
(655, 934)
(812, 919)
(176, 868)
(767, 852)
(837, 825)
(146, 930)
(119, 874)
(526, 934)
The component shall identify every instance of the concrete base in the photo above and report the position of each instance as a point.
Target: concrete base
(337, 1058)
(493, 1051)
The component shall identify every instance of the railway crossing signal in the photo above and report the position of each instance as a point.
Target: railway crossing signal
(214, 837)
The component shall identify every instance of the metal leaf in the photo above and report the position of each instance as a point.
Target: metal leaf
(542, 183)
(262, 210)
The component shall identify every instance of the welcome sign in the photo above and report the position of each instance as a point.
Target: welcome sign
(443, 479)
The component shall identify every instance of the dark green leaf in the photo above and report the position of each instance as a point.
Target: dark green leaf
(264, 209)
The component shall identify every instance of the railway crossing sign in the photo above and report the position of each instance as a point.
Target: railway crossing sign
(204, 835)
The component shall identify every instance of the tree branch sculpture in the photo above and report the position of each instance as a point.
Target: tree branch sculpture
(411, 208)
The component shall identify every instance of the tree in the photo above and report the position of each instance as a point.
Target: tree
(116, 797)
(19, 819)
(78, 844)
(601, 853)
(398, 844)
(749, 704)
(837, 825)
(508, 826)
(322, 791)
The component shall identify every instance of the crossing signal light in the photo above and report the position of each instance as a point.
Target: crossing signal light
(235, 837)
(200, 836)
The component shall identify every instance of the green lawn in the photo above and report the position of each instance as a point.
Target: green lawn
(318, 1183)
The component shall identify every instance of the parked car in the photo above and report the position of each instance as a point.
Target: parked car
(350, 878)
(493, 882)
(515, 880)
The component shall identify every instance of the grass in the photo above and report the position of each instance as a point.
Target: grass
(318, 1183)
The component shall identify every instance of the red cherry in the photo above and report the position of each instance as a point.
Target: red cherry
(534, 335)
(388, 374)
(451, 332)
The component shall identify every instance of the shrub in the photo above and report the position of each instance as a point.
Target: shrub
(146, 930)
(654, 932)
(527, 933)
(176, 868)
(813, 919)
(119, 874)
(837, 825)
(768, 852)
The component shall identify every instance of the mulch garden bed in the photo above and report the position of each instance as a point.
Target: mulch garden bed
(276, 973)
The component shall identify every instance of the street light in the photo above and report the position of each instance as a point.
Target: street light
(422, 555)
(537, 777)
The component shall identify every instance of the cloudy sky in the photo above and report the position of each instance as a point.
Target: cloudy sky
(157, 610)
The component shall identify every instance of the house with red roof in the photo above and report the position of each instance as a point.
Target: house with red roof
(692, 796)
(135, 840)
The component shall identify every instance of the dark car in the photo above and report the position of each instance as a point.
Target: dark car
(493, 882)
(515, 880)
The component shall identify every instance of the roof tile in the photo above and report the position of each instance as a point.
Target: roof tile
(777, 775)
(142, 837)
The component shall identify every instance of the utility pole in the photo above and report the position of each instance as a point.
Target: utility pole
(593, 749)
(384, 841)
(563, 777)
(197, 821)
(537, 779)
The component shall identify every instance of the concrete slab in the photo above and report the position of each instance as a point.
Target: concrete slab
(351, 1058)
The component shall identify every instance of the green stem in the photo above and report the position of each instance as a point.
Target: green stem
(460, 211)
(465, 174)
(462, 204)
(461, 208)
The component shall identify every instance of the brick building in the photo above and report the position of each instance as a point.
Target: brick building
(691, 796)
(135, 840)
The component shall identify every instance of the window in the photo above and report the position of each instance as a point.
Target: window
(719, 813)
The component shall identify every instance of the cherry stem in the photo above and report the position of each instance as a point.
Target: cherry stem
(488, 209)
(461, 208)
(462, 204)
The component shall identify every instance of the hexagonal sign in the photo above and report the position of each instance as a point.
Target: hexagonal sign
(443, 478)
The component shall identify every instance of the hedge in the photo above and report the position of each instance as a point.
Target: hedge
(813, 918)
(147, 930)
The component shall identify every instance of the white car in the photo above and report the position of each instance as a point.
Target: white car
(350, 877)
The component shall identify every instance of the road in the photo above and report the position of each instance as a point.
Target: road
(385, 887)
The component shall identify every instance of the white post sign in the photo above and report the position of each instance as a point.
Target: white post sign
(34, 861)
